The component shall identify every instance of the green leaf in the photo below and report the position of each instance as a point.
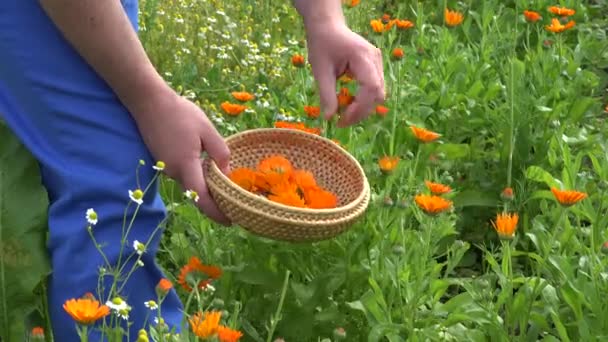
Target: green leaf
(454, 151)
(580, 107)
(473, 198)
(538, 174)
(24, 261)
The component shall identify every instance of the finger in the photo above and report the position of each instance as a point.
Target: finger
(193, 178)
(370, 91)
(216, 147)
(380, 70)
(326, 80)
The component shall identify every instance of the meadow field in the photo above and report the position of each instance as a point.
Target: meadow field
(487, 164)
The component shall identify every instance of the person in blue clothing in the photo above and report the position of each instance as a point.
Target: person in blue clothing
(77, 88)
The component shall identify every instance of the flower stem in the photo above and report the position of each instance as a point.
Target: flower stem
(276, 317)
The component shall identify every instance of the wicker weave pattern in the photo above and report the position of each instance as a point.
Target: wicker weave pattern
(331, 165)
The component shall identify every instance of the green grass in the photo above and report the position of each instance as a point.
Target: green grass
(516, 106)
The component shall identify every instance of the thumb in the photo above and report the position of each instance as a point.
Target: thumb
(193, 178)
(326, 79)
(217, 149)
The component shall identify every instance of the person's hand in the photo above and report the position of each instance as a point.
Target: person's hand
(334, 49)
(177, 131)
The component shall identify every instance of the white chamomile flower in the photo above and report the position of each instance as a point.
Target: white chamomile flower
(160, 165)
(117, 304)
(91, 216)
(151, 305)
(191, 194)
(139, 247)
(137, 196)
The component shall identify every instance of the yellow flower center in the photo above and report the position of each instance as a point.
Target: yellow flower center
(138, 194)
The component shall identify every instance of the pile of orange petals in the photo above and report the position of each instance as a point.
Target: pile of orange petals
(278, 180)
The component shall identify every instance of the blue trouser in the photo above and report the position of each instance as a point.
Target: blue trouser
(88, 148)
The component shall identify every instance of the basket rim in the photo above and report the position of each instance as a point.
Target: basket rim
(347, 207)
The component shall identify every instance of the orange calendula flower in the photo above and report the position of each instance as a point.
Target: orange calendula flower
(232, 108)
(85, 311)
(507, 194)
(225, 334)
(245, 178)
(286, 193)
(532, 16)
(164, 285)
(562, 11)
(351, 3)
(398, 53)
(568, 198)
(557, 27)
(437, 188)
(297, 60)
(388, 164)
(404, 24)
(312, 111)
(304, 180)
(242, 96)
(432, 205)
(344, 97)
(424, 135)
(276, 164)
(453, 18)
(381, 110)
(317, 198)
(205, 325)
(377, 25)
(389, 25)
(297, 126)
(195, 270)
(38, 332)
(505, 225)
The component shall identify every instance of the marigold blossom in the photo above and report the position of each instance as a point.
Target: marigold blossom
(561, 11)
(196, 270)
(37, 332)
(297, 60)
(233, 109)
(398, 53)
(404, 24)
(85, 311)
(312, 111)
(532, 16)
(225, 334)
(557, 27)
(432, 205)
(164, 285)
(424, 135)
(453, 18)
(242, 96)
(437, 188)
(568, 198)
(205, 325)
(377, 25)
(505, 225)
(388, 164)
(381, 110)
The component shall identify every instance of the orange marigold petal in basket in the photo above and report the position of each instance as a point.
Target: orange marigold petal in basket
(303, 179)
(245, 178)
(318, 198)
(278, 164)
(287, 194)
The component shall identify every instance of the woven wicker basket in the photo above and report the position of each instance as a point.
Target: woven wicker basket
(333, 168)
